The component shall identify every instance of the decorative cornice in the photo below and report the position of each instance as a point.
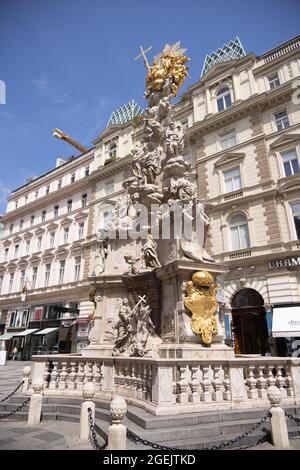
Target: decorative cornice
(229, 157)
(284, 140)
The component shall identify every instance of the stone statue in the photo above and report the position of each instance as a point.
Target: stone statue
(135, 331)
(174, 140)
(124, 329)
(149, 252)
(133, 269)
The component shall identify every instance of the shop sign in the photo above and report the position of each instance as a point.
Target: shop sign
(284, 263)
(38, 312)
(83, 330)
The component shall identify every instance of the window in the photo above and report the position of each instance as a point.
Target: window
(47, 274)
(61, 271)
(296, 215)
(80, 230)
(59, 184)
(73, 178)
(43, 216)
(56, 211)
(282, 120)
(32, 220)
(290, 162)
(1, 283)
(27, 247)
(34, 277)
(112, 151)
(228, 140)
(16, 204)
(274, 81)
(87, 171)
(6, 254)
(47, 190)
(232, 180)
(83, 200)
(223, 99)
(22, 280)
(11, 227)
(77, 268)
(16, 251)
(69, 205)
(36, 194)
(66, 235)
(109, 187)
(26, 199)
(239, 232)
(39, 244)
(21, 223)
(11, 281)
(12, 320)
(51, 239)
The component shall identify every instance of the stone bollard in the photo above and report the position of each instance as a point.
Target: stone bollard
(88, 391)
(36, 401)
(279, 430)
(26, 379)
(117, 431)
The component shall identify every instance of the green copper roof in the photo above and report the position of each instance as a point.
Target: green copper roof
(125, 113)
(232, 50)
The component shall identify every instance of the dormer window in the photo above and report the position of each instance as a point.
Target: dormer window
(223, 99)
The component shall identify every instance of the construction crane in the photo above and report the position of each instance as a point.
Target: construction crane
(62, 135)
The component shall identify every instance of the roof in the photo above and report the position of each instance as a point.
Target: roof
(125, 113)
(231, 51)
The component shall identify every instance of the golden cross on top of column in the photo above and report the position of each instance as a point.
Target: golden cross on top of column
(143, 54)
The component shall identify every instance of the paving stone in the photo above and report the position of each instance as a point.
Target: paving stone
(6, 441)
(49, 436)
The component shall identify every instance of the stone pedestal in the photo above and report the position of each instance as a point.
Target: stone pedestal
(179, 341)
(165, 290)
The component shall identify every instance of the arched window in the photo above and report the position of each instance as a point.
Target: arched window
(223, 99)
(239, 232)
(112, 151)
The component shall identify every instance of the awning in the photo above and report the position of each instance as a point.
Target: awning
(6, 336)
(286, 322)
(46, 331)
(25, 332)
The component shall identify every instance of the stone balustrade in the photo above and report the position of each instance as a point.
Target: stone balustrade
(167, 386)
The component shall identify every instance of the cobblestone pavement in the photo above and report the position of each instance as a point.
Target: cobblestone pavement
(49, 435)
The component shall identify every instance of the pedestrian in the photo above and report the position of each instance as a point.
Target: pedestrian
(15, 352)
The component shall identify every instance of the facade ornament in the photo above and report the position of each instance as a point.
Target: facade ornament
(201, 301)
(150, 254)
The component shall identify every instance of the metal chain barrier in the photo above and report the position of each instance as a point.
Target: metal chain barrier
(242, 436)
(11, 413)
(136, 438)
(293, 418)
(93, 437)
(13, 392)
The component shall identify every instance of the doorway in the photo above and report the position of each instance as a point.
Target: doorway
(249, 323)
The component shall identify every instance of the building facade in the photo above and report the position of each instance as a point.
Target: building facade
(242, 122)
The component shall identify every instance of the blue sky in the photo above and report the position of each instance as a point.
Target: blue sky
(69, 63)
